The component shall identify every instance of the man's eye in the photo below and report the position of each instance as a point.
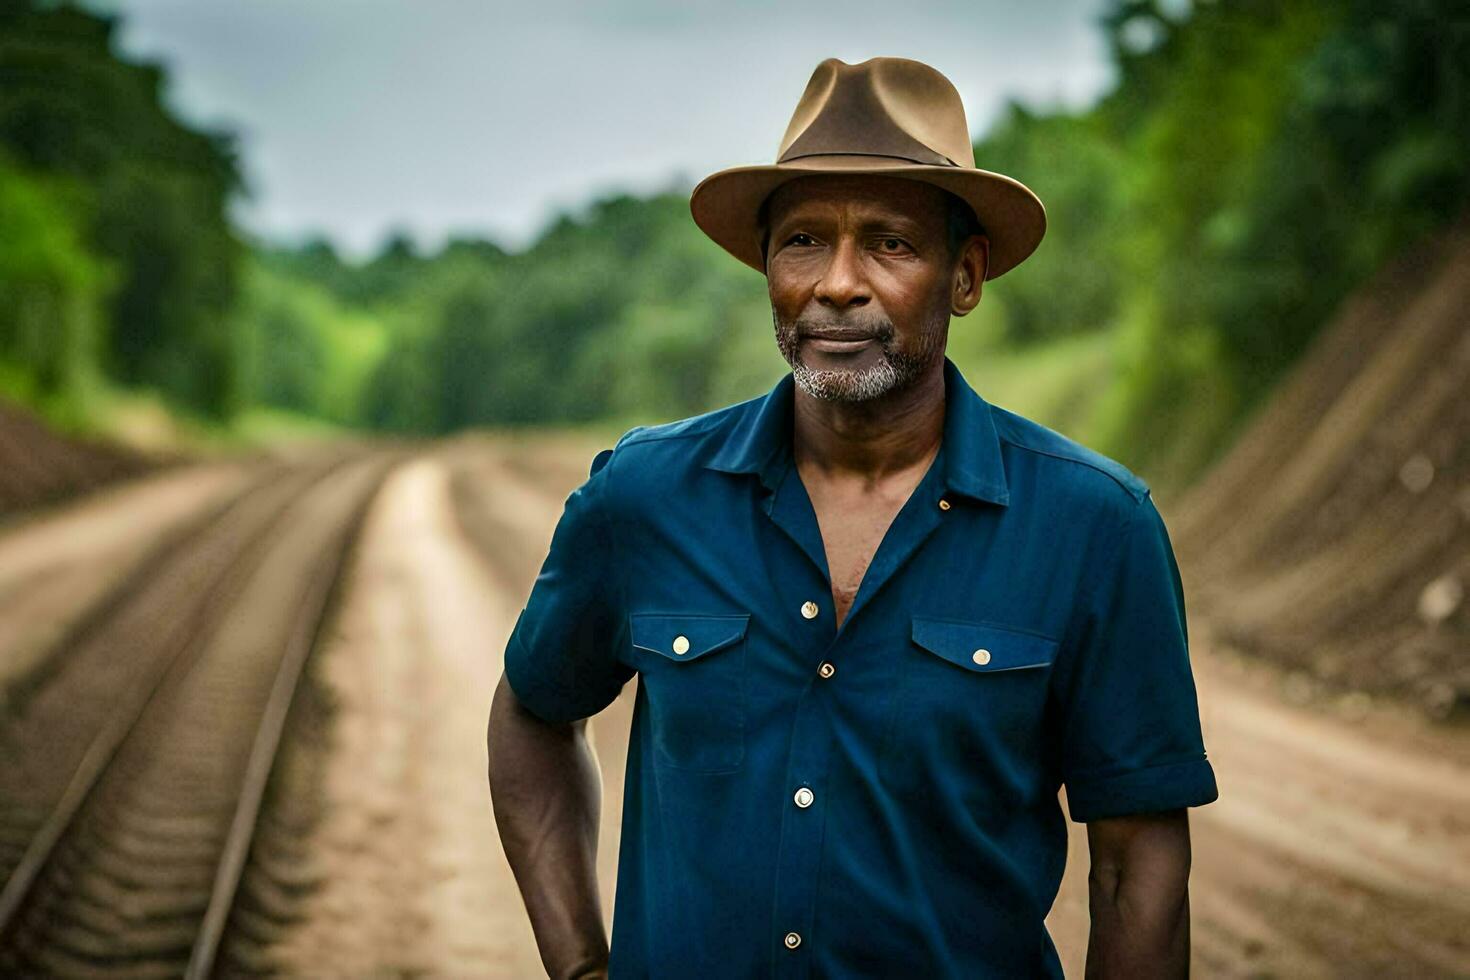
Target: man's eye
(800, 238)
(892, 244)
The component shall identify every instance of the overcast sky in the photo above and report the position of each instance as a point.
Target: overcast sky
(357, 117)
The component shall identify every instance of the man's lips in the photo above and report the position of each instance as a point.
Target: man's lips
(840, 341)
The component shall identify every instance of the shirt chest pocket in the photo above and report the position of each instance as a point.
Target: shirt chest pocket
(692, 668)
(972, 698)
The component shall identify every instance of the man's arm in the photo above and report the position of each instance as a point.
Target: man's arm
(1132, 752)
(547, 794)
(1138, 891)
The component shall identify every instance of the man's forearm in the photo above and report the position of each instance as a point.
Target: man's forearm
(546, 793)
(1136, 935)
(1138, 890)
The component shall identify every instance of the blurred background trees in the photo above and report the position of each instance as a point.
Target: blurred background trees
(1254, 162)
(91, 150)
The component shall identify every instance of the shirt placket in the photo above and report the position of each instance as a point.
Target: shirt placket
(805, 796)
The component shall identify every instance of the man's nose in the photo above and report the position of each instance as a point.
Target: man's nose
(842, 283)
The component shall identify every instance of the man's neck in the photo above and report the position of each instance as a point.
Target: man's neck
(871, 439)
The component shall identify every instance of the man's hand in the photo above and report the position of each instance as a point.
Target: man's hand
(1139, 896)
(547, 793)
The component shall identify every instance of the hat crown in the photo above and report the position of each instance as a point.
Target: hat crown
(886, 117)
(882, 107)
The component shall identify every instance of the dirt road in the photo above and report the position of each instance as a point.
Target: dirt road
(145, 635)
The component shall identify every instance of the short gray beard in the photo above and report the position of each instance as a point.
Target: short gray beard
(896, 371)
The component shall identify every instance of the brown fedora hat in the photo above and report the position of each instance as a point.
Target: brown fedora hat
(888, 116)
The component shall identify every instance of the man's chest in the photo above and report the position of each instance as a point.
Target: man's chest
(955, 620)
(853, 526)
(786, 561)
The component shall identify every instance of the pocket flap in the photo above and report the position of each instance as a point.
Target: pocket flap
(684, 637)
(981, 646)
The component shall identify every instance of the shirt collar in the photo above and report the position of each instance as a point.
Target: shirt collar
(760, 439)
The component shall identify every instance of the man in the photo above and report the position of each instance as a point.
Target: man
(877, 622)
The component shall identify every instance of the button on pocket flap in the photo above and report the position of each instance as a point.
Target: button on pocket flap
(983, 647)
(683, 637)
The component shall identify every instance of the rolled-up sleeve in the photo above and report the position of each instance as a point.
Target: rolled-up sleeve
(561, 659)
(1131, 738)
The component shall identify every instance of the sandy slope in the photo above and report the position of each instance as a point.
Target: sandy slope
(1334, 536)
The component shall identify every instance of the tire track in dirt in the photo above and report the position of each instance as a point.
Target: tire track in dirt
(448, 555)
(136, 864)
(508, 498)
(410, 876)
(1349, 841)
(58, 710)
(61, 567)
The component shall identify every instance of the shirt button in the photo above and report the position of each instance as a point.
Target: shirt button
(826, 670)
(792, 940)
(981, 657)
(804, 797)
(809, 609)
(681, 645)
(943, 504)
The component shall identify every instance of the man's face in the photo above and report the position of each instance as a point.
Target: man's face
(860, 278)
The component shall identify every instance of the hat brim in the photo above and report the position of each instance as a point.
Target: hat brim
(725, 204)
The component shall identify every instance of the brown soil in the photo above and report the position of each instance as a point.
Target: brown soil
(61, 568)
(1334, 538)
(39, 467)
(139, 748)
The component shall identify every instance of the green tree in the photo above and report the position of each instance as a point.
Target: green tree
(69, 106)
(52, 293)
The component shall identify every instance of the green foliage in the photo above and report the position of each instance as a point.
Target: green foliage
(303, 350)
(1256, 160)
(1071, 284)
(1276, 151)
(51, 293)
(623, 310)
(157, 195)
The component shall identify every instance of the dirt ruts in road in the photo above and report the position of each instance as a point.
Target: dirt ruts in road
(507, 499)
(1338, 847)
(140, 755)
(407, 868)
(410, 878)
(125, 640)
(58, 566)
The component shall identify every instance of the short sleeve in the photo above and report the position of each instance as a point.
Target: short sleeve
(561, 659)
(1131, 739)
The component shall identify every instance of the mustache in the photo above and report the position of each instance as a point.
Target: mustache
(843, 328)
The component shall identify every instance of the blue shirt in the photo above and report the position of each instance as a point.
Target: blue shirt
(880, 799)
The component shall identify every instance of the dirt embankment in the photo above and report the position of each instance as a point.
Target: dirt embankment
(1334, 537)
(40, 467)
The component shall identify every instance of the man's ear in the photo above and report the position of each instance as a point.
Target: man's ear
(969, 275)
